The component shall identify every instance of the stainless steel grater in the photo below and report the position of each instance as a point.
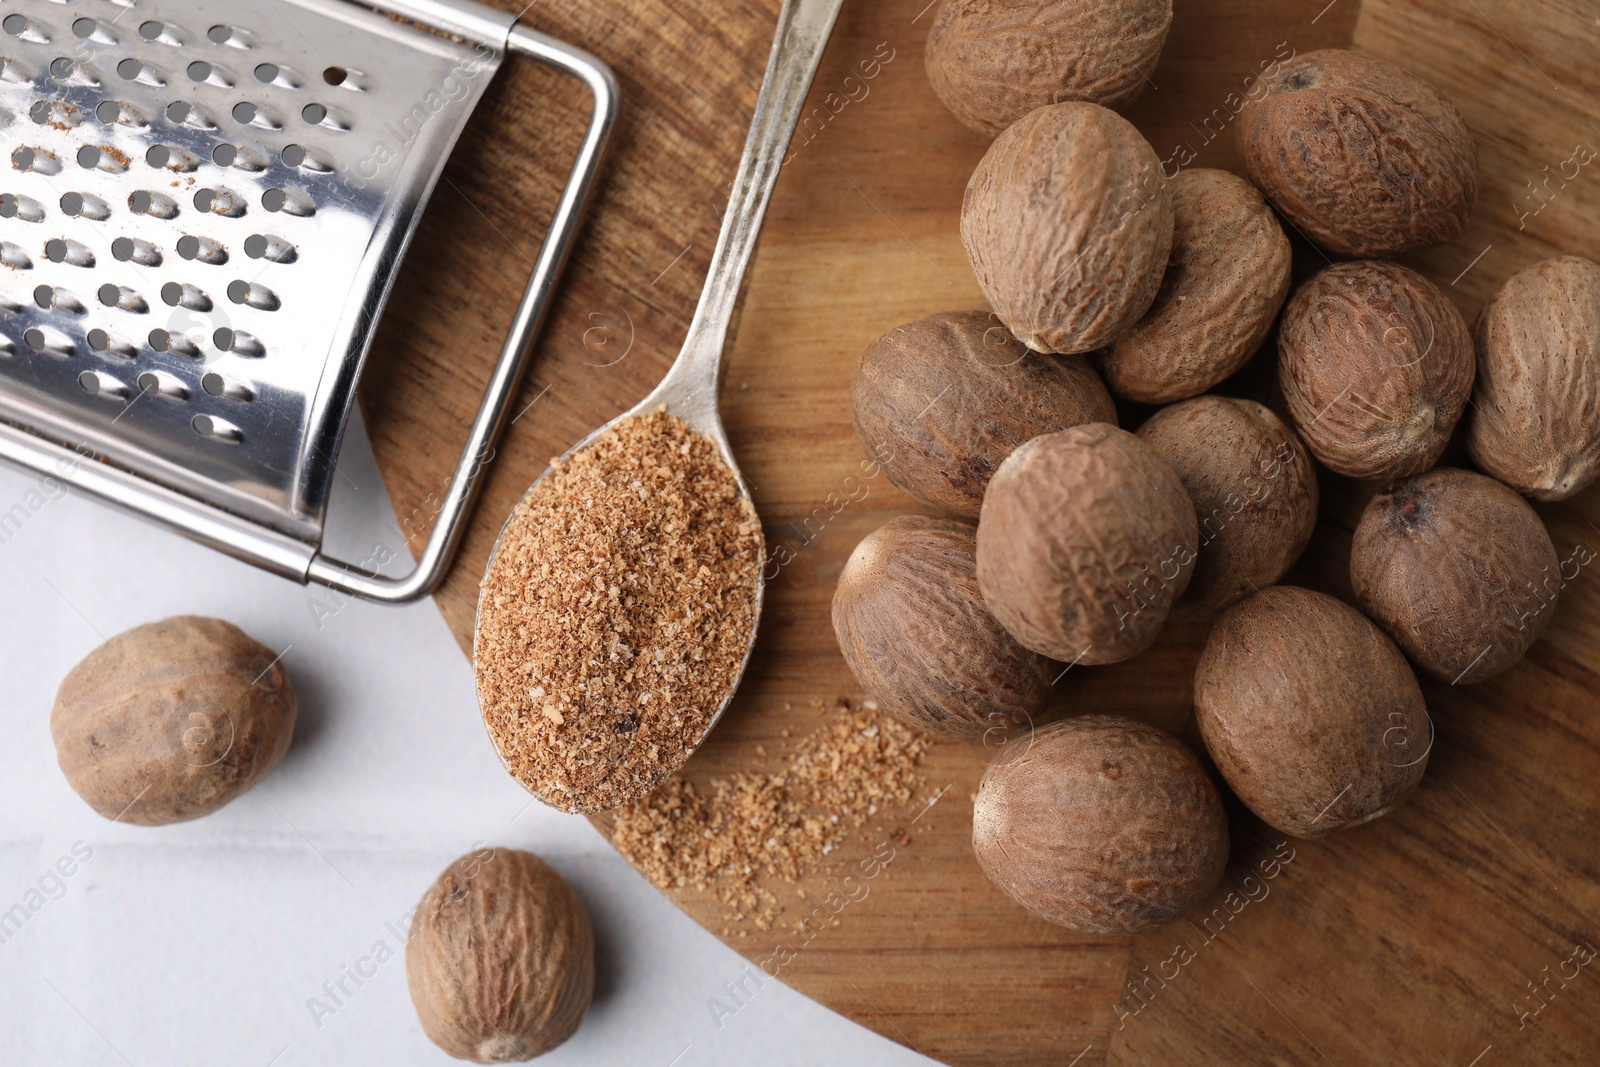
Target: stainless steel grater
(203, 204)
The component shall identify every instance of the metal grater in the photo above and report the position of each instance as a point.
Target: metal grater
(203, 204)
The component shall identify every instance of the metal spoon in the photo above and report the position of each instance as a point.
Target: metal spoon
(689, 389)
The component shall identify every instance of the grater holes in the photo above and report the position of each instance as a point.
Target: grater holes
(49, 342)
(276, 249)
(151, 30)
(61, 67)
(123, 298)
(266, 73)
(99, 340)
(102, 158)
(38, 160)
(72, 253)
(199, 71)
(220, 34)
(315, 114)
(108, 111)
(289, 201)
(253, 294)
(154, 204)
(52, 298)
(21, 208)
(85, 205)
(224, 155)
(129, 69)
(56, 114)
(222, 202)
(177, 294)
(217, 429)
(97, 383)
(293, 155)
(35, 339)
(84, 28)
(15, 25)
(175, 343)
(162, 384)
(203, 249)
(217, 385)
(132, 250)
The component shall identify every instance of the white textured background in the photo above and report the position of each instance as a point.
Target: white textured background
(205, 943)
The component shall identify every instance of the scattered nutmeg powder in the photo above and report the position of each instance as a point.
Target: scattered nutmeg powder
(753, 827)
(616, 614)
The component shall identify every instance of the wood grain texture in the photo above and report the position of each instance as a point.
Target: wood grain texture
(1412, 940)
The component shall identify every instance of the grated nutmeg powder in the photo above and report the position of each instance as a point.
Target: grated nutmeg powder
(756, 828)
(616, 614)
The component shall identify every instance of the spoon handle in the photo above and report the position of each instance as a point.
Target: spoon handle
(802, 33)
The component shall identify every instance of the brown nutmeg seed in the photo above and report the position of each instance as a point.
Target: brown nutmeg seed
(1376, 365)
(500, 962)
(1364, 157)
(992, 62)
(1310, 712)
(1254, 489)
(941, 402)
(914, 629)
(1458, 569)
(1227, 278)
(1536, 413)
(171, 720)
(1100, 824)
(1067, 222)
(1086, 539)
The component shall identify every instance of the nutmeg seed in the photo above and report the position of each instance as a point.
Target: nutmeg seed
(1086, 538)
(1227, 278)
(1100, 824)
(1067, 222)
(1376, 365)
(915, 632)
(1536, 413)
(941, 402)
(992, 63)
(1254, 489)
(1310, 712)
(1364, 157)
(500, 962)
(1458, 569)
(171, 720)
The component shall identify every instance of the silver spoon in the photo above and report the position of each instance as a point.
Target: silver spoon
(689, 389)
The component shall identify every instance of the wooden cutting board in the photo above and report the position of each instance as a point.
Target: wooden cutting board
(1456, 931)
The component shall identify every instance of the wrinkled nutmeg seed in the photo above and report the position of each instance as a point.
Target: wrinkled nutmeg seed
(1067, 222)
(992, 63)
(501, 958)
(1366, 158)
(1458, 569)
(1376, 366)
(1310, 712)
(1227, 278)
(1086, 539)
(1254, 489)
(1100, 824)
(171, 720)
(941, 402)
(915, 632)
(1536, 413)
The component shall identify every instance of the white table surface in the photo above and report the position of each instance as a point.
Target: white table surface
(224, 941)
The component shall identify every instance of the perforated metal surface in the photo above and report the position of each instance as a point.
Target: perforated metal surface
(201, 206)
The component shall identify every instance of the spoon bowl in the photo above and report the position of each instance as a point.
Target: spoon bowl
(689, 389)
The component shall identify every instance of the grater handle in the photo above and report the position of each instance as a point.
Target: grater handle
(514, 356)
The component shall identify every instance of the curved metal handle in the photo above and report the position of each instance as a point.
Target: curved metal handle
(797, 45)
(514, 356)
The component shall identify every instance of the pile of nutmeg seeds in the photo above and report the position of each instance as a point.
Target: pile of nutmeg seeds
(1070, 541)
